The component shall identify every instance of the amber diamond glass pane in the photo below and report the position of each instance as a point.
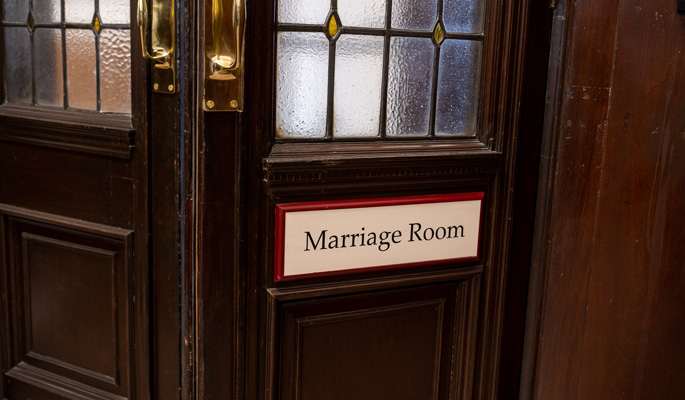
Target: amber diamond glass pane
(30, 22)
(96, 24)
(333, 26)
(438, 34)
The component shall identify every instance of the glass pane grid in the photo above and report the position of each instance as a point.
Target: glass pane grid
(65, 54)
(414, 91)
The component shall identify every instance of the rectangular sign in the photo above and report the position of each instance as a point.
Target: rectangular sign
(351, 236)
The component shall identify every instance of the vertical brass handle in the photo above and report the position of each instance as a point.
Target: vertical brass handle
(227, 52)
(224, 46)
(162, 41)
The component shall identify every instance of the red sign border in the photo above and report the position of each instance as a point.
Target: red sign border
(284, 208)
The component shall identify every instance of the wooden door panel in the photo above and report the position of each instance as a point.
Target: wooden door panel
(70, 304)
(411, 343)
(72, 184)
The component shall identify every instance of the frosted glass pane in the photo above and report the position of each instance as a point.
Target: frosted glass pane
(115, 71)
(366, 13)
(414, 14)
(79, 11)
(409, 86)
(46, 11)
(15, 10)
(115, 11)
(302, 85)
(465, 16)
(303, 11)
(358, 79)
(17, 65)
(458, 86)
(81, 87)
(48, 62)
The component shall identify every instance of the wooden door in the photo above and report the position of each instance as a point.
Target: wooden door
(426, 332)
(89, 203)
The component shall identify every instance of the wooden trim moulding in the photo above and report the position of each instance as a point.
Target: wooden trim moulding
(94, 133)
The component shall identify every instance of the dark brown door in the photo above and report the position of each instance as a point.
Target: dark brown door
(89, 299)
(355, 101)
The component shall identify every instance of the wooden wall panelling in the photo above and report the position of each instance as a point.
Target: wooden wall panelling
(636, 319)
(69, 296)
(580, 144)
(75, 185)
(108, 135)
(610, 316)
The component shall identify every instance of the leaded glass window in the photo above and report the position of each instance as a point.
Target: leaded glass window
(69, 54)
(378, 68)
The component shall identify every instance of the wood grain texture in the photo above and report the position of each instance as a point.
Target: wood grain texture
(70, 305)
(636, 315)
(612, 301)
(401, 344)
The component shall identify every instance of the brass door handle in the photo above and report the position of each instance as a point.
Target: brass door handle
(223, 63)
(226, 59)
(162, 40)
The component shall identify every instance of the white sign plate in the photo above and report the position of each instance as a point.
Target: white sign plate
(351, 236)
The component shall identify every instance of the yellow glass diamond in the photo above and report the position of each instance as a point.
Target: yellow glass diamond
(438, 34)
(333, 26)
(96, 24)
